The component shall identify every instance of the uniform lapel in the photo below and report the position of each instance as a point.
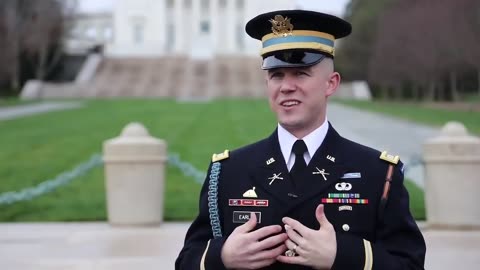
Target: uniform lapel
(325, 168)
(271, 175)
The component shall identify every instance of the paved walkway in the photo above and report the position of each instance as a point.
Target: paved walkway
(11, 112)
(97, 246)
(397, 136)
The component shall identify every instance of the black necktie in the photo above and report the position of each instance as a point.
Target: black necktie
(299, 148)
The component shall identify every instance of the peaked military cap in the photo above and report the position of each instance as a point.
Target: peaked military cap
(296, 38)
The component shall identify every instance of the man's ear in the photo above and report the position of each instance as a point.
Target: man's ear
(333, 83)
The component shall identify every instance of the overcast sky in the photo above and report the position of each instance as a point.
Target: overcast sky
(335, 7)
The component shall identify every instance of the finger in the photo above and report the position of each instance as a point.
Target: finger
(271, 241)
(270, 253)
(262, 263)
(321, 217)
(294, 236)
(291, 260)
(299, 227)
(249, 225)
(290, 244)
(265, 231)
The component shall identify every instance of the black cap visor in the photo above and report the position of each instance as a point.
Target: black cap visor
(290, 59)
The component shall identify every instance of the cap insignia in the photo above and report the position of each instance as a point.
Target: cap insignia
(281, 26)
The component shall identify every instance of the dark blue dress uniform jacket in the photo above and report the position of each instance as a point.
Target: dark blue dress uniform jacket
(388, 242)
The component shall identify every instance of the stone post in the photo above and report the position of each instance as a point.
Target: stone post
(134, 175)
(452, 178)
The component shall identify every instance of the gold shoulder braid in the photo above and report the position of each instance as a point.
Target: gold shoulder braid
(392, 160)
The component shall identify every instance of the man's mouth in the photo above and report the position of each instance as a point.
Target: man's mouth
(289, 103)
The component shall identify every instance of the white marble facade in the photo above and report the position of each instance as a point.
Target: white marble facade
(194, 28)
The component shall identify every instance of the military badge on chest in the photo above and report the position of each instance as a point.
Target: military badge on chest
(345, 193)
(250, 199)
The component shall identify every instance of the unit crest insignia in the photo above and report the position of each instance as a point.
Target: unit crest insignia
(221, 156)
(390, 158)
(281, 25)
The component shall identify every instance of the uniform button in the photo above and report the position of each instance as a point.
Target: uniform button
(346, 227)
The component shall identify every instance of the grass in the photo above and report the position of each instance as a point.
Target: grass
(10, 101)
(417, 113)
(37, 148)
(417, 200)
(472, 98)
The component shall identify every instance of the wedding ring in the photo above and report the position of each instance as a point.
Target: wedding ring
(290, 253)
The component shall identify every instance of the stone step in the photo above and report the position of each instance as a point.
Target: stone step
(179, 77)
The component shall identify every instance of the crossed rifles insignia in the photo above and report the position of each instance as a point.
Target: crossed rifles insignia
(322, 172)
(275, 177)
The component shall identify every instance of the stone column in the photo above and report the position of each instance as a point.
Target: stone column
(134, 174)
(214, 22)
(230, 26)
(179, 28)
(452, 170)
(195, 19)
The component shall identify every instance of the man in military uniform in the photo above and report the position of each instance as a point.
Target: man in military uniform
(305, 197)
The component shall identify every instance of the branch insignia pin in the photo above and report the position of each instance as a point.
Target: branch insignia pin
(274, 177)
(322, 172)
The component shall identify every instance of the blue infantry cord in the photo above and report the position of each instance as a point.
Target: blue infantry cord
(213, 200)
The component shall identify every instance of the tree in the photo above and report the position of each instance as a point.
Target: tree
(354, 52)
(31, 44)
(424, 45)
(469, 34)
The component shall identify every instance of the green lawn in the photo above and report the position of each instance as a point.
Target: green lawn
(33, 149)
(418, 113)
(4, 102)
(417, 200)
(37, 148)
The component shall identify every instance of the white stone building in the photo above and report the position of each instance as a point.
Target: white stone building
(152, 28)
(196, 28)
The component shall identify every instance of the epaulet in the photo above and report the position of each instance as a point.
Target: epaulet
(220, 156)
(389, 158)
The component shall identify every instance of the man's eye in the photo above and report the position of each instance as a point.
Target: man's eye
(299, 73)
(276, 75)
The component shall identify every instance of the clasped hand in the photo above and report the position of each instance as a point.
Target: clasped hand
(248, 249)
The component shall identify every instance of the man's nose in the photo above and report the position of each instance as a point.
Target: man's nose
(288, 84)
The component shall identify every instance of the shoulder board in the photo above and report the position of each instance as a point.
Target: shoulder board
(220, 156)
(389, 158)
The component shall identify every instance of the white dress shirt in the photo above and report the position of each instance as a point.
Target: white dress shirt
(312, 140)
